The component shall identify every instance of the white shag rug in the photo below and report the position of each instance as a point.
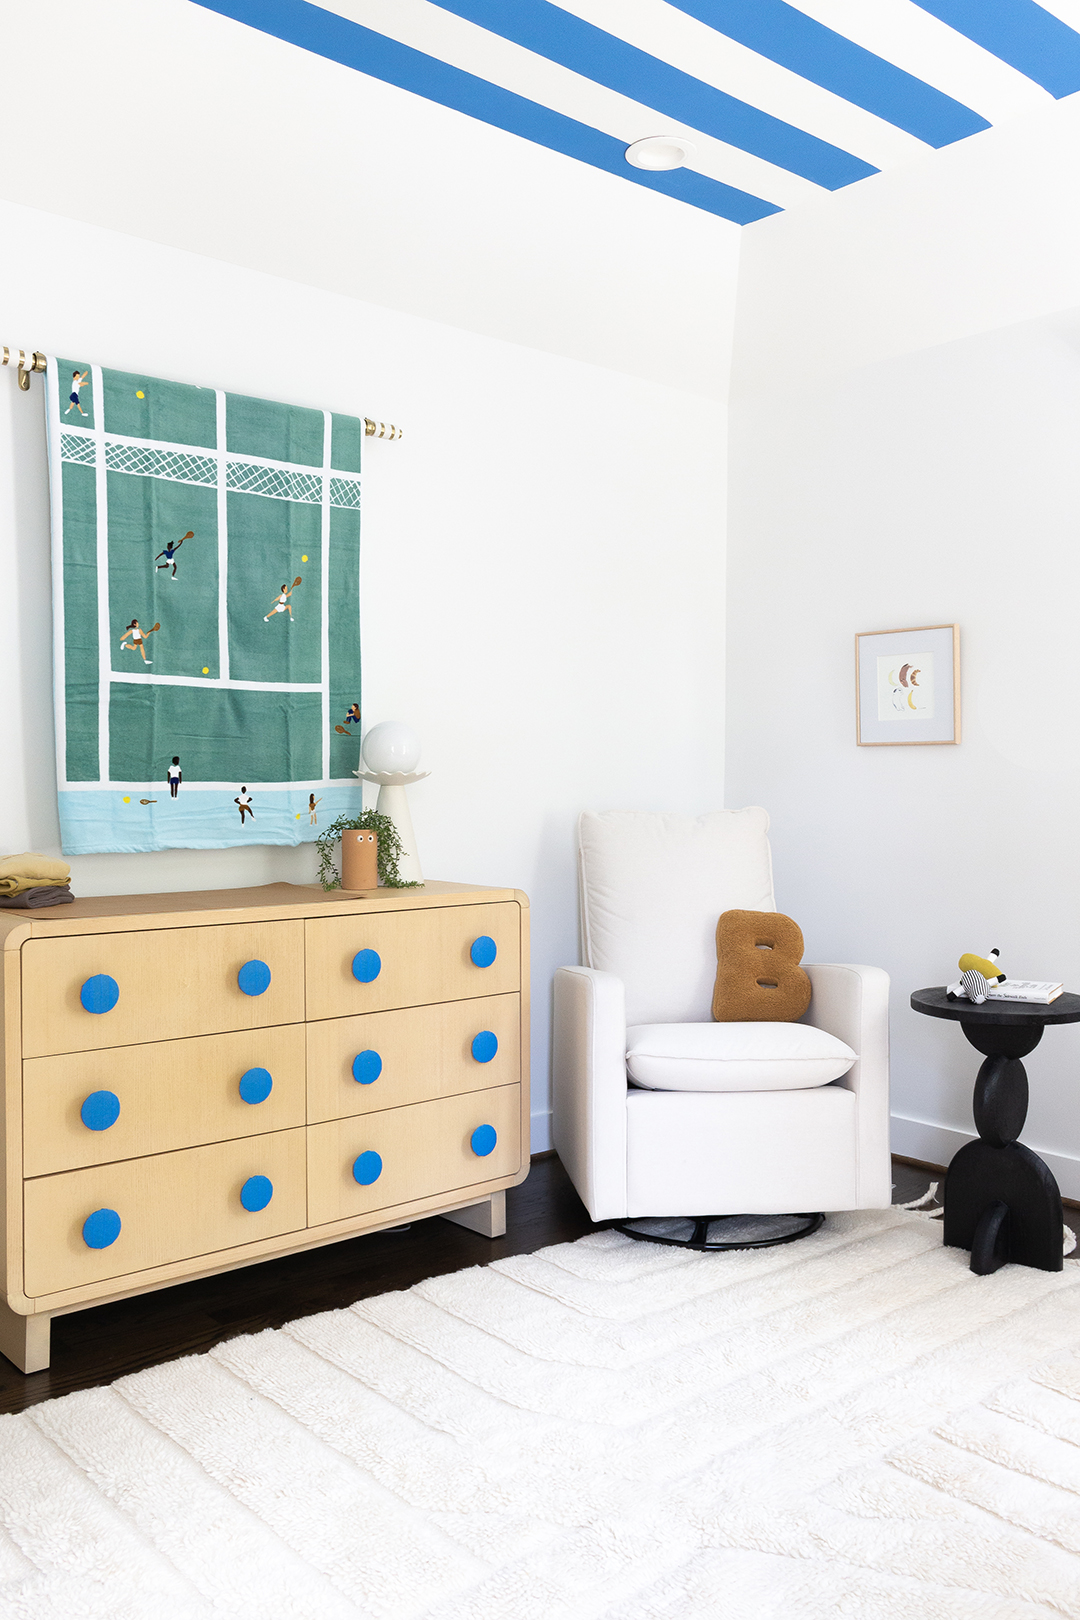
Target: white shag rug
(852, 1425)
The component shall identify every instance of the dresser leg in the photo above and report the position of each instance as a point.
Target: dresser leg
(24, 1339)
(488, 1217)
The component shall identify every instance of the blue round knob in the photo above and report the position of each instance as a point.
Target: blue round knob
(483, 1140)
(483, 951)
(101, 1228)
(100, 993)
(256, 1193)
(366, 966)
(256, 1085)
(100, 1110)
(366, 1067)
(254, 977)
(367, 1168)
(484, 1046)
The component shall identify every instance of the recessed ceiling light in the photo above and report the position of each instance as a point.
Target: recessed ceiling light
(660, 152)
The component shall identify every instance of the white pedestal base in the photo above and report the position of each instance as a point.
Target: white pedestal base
(393, 801)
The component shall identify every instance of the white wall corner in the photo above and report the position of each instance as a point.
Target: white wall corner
(541, 1141)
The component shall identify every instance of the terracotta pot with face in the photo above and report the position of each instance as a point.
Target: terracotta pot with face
(359, 859)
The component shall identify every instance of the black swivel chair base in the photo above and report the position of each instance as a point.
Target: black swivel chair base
(712, 1234)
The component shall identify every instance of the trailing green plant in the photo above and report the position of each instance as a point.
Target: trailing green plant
(389, 849)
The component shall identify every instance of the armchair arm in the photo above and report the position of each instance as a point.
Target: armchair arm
(852, 1003)
(589, 1086)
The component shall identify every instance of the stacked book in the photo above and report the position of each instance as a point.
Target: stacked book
(1040, 991)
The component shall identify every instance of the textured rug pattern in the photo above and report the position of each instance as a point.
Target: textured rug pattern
(605, 1430)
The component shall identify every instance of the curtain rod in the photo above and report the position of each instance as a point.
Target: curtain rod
(27, 363)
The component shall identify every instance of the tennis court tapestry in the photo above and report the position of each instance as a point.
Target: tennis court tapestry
(206, 591)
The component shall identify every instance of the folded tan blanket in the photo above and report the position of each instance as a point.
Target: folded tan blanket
(47, 895)
(29, 871)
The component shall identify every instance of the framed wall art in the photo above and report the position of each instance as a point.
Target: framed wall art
(907, 686)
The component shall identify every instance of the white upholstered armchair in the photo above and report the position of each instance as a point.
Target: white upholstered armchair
(658, 1111)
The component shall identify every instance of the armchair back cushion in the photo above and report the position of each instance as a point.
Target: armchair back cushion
(652, 889)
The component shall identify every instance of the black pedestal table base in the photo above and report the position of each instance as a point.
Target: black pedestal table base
(1001, 1200)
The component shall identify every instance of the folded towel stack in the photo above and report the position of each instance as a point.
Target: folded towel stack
(28, 881)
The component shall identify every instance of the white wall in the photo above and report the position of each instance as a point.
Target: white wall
(542, 562)
(884, 476)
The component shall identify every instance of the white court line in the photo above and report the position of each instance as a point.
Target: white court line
(56, 499)
(324, 585)
(211, 787)
(137, 678)
(101, 494)
(222, 542)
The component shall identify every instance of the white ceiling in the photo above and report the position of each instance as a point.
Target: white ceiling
(782, 100)
(174, 124)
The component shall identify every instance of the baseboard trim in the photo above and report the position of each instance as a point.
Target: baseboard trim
(540, 1130)
(922, 1142)
(920, 1164)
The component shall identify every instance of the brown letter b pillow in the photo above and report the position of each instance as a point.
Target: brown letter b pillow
(758, 977)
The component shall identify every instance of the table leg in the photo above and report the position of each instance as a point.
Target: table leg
(1001, 1200)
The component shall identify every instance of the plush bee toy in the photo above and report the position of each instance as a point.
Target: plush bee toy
(977, 974)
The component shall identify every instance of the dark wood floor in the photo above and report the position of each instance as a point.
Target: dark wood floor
(95, 1346)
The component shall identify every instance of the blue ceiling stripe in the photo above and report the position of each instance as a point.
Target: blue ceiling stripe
(326, 34)
(793, 40)
(1021, 33)
(550, 31)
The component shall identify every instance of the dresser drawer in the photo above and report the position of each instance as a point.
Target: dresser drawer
(381, 959)
(359, 1165)
(95, 1107)
(88, 991)
(385, 1059)
(114, 1219)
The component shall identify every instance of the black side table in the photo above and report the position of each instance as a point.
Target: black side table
(1001, 1200)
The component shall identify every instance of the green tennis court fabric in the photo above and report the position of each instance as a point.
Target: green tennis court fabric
(206, 571)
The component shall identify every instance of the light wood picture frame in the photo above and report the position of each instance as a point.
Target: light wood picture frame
(907, 686)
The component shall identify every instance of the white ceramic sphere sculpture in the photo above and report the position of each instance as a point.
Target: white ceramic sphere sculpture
(391, 746)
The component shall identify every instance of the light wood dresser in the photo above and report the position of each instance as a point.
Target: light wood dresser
(193, 1082)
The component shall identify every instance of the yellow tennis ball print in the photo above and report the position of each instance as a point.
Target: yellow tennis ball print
(139, 394)
(206, 669)
(303, 559)
(127, 798)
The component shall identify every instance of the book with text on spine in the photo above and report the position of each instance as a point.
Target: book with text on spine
(1041, 991)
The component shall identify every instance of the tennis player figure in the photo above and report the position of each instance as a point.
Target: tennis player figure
(137, 639)
(352, 718)
(169, 554)
(174, 776)
(77, 380)
(281, 604)
(312, 802)
(243, 800)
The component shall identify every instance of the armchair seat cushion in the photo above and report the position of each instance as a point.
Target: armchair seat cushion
(734, 1057)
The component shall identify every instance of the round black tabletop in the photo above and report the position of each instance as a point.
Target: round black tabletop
(936, 1004)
